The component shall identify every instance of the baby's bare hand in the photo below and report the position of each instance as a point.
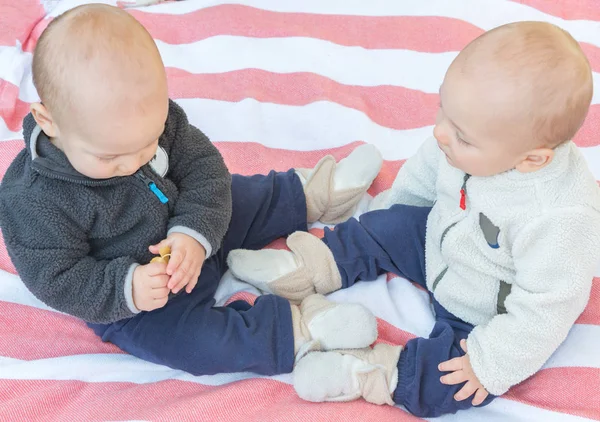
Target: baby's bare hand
(150, 286)
(462, 371)
(185, 263)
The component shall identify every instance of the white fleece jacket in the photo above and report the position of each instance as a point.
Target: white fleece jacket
(517, 262)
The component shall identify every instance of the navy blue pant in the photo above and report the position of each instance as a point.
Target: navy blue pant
(393, 240)
(192, 335)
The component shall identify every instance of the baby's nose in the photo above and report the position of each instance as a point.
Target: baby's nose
(439, 134)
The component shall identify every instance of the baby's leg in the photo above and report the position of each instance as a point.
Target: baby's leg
(268, 207)
(384, 240)
(192, 335)
(387, 374)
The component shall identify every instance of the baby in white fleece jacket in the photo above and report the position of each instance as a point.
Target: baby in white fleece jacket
(512, 239)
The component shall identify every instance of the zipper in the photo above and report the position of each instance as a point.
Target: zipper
(463, 193)
(463, 206)
(152, 186)
(43, 171)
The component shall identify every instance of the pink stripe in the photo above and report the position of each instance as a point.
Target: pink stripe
(391, 106)
(17, 19)
(252, 158)
(591, 314)
(5, 261)
(253, 400)
(29, 333)
(8, 151)
(566, 390)
(436, 31)
(420, 33)
(566, 9)
(12, 109)
(36, 31)
(589, 134)
(384, 105)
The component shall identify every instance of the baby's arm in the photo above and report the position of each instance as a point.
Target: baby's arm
(51, 252)
(555, 258)
(416, 181)
(203, 209)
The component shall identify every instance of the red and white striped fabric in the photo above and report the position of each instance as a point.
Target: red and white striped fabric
(276, 85)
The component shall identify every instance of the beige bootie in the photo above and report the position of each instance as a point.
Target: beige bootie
(324, 325)
(333, 190)
(308, 269)
(345, 375)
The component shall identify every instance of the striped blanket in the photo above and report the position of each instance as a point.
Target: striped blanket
(278, 84)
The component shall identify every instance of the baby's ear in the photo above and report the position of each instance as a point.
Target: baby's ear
(44, 119)
(536, 160)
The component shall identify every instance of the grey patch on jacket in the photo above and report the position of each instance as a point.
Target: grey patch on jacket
(490, 231)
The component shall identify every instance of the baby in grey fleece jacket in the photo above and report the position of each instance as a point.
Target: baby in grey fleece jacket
(112, 172)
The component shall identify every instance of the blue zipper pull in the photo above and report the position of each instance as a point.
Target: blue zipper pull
(152, 186)
(159, 194)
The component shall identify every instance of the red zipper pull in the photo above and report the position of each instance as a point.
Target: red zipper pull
(463, 199)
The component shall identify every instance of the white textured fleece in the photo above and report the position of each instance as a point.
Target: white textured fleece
(548, 249)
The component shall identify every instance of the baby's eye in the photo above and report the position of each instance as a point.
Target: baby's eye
(106, 159)
(461, 140)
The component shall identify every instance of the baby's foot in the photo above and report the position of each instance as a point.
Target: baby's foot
(333, 190)
(321, 324)
(309, 268)
(345, 375)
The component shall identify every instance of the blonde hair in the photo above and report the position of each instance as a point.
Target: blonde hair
(78, 42)
(548, 67)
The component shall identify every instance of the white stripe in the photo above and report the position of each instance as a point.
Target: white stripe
(64, 5)
(13, 63)
(592, 156)
(502, 410)
(580, 349)
(7, 134)
(486, 14)
(405, 68)
(414, 70)
(13, 290)
(410, 69)
(316, 126)
(112, 367)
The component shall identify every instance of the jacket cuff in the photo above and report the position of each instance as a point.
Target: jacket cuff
(484, 371)
(194, 234)
(128, 289)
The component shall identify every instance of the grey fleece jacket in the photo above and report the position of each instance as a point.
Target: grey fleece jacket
(76, 241)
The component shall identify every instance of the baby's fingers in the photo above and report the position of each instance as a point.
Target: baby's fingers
(175, 261)
(159, 293)
(181, 284)
(180, 278)
(480, 396)
(466, 392)
(193, 282)
(155, 249)
(454, 378)
(451, 365)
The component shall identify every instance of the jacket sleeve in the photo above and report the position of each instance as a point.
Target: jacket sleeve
(203, 208)
(50, 254)
(416, 181)
(555, 258)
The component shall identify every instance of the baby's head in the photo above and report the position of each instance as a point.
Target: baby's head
(511, 97)
(103, 89)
